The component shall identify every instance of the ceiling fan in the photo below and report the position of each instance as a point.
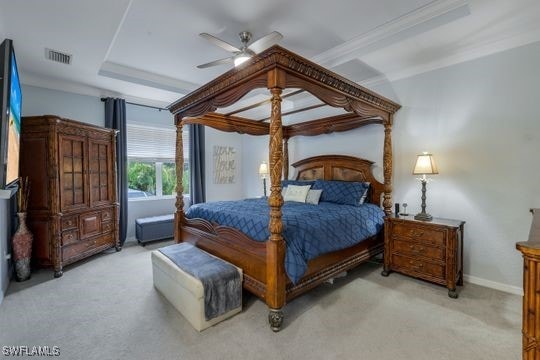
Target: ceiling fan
(244, 52)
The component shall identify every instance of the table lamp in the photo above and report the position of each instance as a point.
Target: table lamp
(425, 165)
(263, 172)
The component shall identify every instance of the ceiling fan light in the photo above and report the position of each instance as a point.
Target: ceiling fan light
(241, 59)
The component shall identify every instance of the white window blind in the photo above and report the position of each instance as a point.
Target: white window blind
(154, 143)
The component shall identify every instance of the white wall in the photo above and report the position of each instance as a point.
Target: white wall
(40, 101)
(216, 192)
(481, 122)
(255, 152)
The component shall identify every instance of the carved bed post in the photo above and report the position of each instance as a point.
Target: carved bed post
(179, 215)
(387, 166)
(285, 158)
(275, 246)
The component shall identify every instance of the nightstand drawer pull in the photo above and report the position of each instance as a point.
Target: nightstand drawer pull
(415, 265)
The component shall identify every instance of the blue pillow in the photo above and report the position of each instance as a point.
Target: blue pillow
(342, 192)
(285, 183)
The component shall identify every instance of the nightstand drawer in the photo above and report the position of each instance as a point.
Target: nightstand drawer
(420, 234)
(413, 249)
(417, 267)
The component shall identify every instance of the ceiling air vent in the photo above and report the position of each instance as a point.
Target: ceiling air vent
(58, 56)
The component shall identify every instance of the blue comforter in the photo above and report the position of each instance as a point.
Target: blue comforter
(309, 230)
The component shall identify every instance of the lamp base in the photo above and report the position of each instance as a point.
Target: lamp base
(423, 217)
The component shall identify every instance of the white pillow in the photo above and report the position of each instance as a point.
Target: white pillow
(297, 193)
(364, 197)
(284, 192)
(313, 197)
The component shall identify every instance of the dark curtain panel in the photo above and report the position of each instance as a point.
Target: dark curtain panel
(115, 118)
(197, 188)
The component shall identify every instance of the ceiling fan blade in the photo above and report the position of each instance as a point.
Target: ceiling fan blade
(222, 44)
(265, 42)
(216, 62)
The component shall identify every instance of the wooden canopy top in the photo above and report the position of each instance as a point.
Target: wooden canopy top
(277, 67)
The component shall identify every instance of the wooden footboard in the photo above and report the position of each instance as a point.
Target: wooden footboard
(250, 255)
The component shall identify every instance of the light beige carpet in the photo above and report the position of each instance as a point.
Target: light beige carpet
(107, 308)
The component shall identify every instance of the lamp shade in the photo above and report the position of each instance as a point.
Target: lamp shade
(263, 169)
(425, 164)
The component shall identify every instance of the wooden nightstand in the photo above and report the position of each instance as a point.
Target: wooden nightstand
(432, 250)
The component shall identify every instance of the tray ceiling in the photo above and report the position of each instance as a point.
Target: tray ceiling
(147, 50)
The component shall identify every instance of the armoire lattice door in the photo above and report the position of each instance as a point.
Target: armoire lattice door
(73, 210)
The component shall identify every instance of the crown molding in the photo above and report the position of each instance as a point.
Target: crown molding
(53, 83)
(428, 17)
(83, 89)
(457, 56)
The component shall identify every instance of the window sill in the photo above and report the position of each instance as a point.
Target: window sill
(156, 198)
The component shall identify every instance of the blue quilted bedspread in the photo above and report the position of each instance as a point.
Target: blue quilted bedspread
(309, 230)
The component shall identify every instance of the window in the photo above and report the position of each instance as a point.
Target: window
(151, 161)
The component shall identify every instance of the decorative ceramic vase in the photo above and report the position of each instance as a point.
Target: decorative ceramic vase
(22, 249)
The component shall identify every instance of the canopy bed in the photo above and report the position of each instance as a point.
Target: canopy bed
(278, 69)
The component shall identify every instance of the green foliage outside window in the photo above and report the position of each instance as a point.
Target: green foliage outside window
(142, 176)
(169, 179)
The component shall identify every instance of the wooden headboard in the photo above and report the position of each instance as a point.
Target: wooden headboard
(339, 167)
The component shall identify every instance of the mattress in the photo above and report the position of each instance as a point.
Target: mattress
(309, 230)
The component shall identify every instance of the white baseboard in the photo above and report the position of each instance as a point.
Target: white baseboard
(493, 285)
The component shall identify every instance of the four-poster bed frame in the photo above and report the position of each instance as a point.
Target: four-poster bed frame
(277, 69)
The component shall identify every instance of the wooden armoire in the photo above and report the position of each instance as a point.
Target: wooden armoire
(73, 209)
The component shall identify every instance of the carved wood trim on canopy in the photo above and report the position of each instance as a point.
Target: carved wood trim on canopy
(328, 86)
(338, 123)
(230, 124)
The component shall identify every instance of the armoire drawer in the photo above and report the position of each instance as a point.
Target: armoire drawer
(69, 222)
(85, 246)
(106, 215)
(107, 227)
(70, 237)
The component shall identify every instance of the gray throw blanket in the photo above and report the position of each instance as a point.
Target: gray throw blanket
(221, 281)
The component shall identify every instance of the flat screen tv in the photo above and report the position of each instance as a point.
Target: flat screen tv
(10, 125)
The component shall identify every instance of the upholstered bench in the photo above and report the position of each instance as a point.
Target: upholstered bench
(154, 228)
(177, 271)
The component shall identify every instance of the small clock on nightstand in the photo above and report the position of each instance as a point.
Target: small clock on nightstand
(431, 251)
